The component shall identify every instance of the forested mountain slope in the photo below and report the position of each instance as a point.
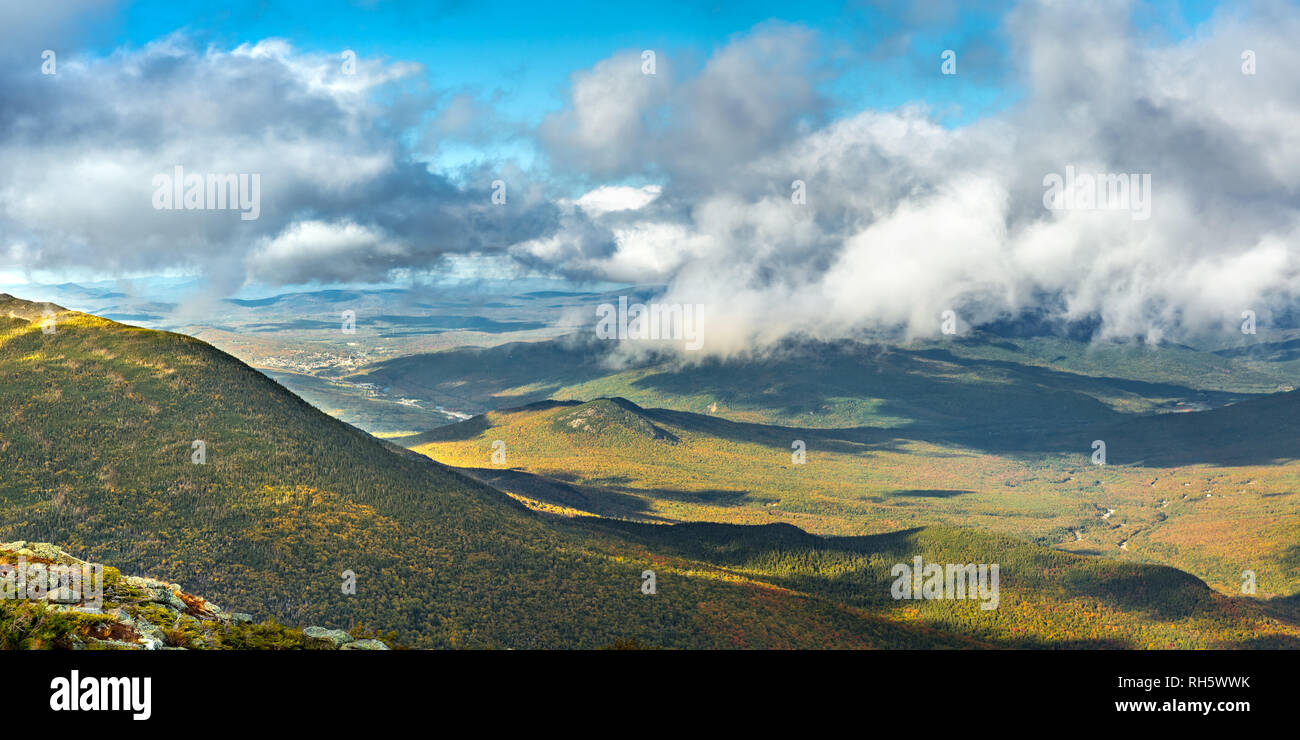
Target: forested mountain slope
(97, 429)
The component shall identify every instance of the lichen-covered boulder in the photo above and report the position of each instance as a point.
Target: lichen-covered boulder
(334, 638)
(365, 645)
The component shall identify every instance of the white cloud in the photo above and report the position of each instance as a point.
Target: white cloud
(611, 198)
(905, 218)
(80, 150)
(316, 250)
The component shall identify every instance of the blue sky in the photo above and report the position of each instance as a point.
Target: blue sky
(525, 52)
(528, 49)
(520, 54)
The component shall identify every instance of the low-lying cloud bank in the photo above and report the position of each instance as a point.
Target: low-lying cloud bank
(905, 219)
(778, 215)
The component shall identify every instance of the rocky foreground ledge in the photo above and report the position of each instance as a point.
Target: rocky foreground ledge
(43, 606)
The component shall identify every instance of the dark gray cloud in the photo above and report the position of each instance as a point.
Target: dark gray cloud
(341, 195)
